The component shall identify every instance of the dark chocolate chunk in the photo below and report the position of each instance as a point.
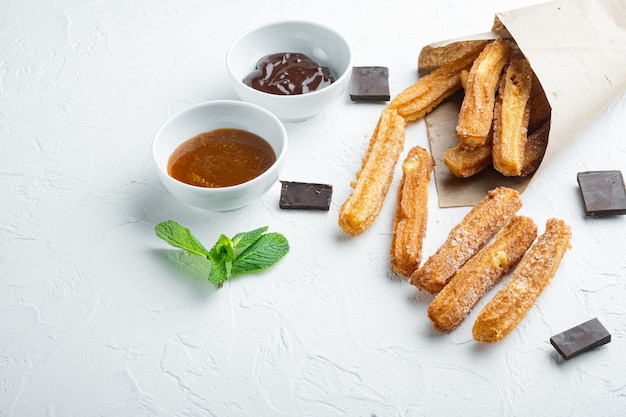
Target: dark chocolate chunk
(305, 196)
(580, 338)
(603, 192)
(369, 84)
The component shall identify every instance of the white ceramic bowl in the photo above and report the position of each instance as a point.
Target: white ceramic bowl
(320, 43)
(209, 116)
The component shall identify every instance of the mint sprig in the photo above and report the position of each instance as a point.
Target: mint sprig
(245, 252)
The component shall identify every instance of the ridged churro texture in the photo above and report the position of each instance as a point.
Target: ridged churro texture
(409, 227)
(511, 117)
(420, 98)
(483, 221)
(455, 301)
(532, 275)
(374, 178)
(476, 114)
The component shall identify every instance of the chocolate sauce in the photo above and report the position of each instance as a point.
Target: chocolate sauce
(288, 73)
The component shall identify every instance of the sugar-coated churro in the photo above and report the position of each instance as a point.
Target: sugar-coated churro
(374, 178)
(535, 148)
(431, 58)
(476, 112)
(420, 98)
(464, 161)
(483, 221)
(511, 116)
(455, 301)
(409, 225)
(532, 275)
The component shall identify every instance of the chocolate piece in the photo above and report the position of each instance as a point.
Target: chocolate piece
(580, 338)
(603, 192)
(305, 196)
(369, 84)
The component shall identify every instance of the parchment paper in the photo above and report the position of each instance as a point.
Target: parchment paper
(577, 49)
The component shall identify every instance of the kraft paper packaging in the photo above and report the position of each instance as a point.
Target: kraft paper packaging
(577, 49)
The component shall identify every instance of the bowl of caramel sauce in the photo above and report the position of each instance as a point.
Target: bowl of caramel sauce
(220, 155)
(296, 69)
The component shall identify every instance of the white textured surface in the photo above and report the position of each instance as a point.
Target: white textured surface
(99, 317)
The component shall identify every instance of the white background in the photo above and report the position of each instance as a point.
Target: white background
(98, 317)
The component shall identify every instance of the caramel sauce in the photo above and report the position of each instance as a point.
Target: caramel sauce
(221, 158)
(288, 73)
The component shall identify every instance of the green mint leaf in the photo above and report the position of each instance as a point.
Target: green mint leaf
(180, 237)
(220, 272)
(242, 240)
(263, 253)
(245, 252)
(223, 250)
(221, 256)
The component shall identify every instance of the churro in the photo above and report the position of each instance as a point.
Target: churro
(476, 112)
(463, 161)
(483, 221)
(374, 178)
(455, 301)
(409, 225)
(532, 275)
(464, 76)
(511, 116)
(540, 110)
(535, 149)
(420, 98)
(433, 57)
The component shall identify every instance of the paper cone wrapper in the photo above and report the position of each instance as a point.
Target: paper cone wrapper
(577, 49)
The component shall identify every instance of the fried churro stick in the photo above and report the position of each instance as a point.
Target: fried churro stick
(511, 116)
(540, 111)
(464, 77)
(455, 301)
(463, 161)
(483, 221)
(374, 178)
(535, 149)
(433, 57)
(417, 100)
(532, 275)
(409, 226)
(476, 111)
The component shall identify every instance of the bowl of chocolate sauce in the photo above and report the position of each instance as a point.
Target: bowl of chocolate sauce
(295, 69)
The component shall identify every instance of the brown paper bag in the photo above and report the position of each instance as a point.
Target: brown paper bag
(577, 49)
